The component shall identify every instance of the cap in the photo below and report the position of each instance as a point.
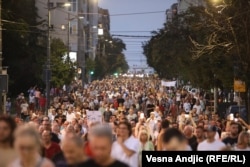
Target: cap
(211, 128)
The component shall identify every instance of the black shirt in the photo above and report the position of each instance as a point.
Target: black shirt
(193, 143)
(120, 101)
(92, 163)
(59, 160)
(230, 140)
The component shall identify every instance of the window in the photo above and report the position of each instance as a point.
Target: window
(73, 28)
(73, 7)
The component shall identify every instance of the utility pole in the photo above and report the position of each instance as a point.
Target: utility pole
(215, 94)
(48, 64)
(1, 58)
(81, 41)
(68, 41)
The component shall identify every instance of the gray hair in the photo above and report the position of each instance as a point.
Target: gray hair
(101, 130)
(72, 137)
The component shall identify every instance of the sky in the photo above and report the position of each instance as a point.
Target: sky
(136, 24)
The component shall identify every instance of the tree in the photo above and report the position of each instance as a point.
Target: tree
(22, 51)
(230, 22)
(169, 53)
(110, 58)
(63, 71)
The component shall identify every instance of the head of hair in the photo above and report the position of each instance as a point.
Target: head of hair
(165, 124)
(143, 131)
(234, 123)
(200, 127)
(101, 131)
(241, 137)
(171, 133)
(128, 125)
(76, 139)
(12, 125)
(189, 128)
(29, 131)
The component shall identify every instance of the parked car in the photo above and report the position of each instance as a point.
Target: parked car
(233, 109)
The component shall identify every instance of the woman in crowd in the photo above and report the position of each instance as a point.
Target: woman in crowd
(28, 146)
(243, 142)
(145, 144)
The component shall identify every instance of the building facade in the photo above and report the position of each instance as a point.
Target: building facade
(68, 21)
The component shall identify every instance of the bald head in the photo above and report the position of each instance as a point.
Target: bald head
(188, 131)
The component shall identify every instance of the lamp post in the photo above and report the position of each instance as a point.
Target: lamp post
(1, 107)
(68, 32)
(48, 63)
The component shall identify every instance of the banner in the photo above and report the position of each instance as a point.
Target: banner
(94, 116)
(168, 83)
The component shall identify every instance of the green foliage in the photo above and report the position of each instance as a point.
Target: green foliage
(110, 58)
(22, 51)
(204, 43)
(62, 71)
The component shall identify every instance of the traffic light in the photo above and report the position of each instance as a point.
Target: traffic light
(116, 74)
(91, 72)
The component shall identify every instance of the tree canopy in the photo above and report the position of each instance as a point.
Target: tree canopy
(204, 44)
(110, 58)
(25, 46)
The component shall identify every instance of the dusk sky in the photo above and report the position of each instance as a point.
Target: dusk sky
(136, 24)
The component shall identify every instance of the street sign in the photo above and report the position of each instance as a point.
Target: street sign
(239, 86)
(4, 83)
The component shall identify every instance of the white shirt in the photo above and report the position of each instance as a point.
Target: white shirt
(178, 97)
(118, 153)
(198, 108)
(217, 145)
(70, 116)
(24, 107)
(32, 99)
(187, 107)
(151, 125)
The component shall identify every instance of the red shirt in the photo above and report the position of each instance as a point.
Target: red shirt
(42, 101)
(87, 150)
(52, 150)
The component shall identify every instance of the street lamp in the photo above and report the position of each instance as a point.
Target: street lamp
(48, 63)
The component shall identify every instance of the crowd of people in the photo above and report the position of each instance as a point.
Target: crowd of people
(138, 114)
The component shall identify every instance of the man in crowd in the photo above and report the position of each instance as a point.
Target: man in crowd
(101, 146)
(7, 153)
(234, 133)
(174, 140)
(211, 144)
(50, 148)
(188, 132)
(107, 114)
(73, 150)
(164, 127)
(200, 137)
